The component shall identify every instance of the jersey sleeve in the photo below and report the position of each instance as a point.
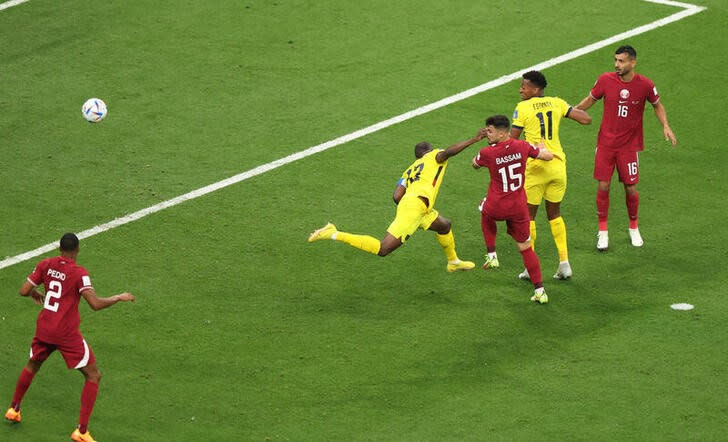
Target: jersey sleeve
(84, 280)
(564, 107)
(533, 151)
(403, 179)
(652, 95)
(481, 159)
(597, 92)
(519, 116)
(36, 277)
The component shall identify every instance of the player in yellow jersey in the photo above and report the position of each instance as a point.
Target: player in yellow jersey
(538, 117)
(415, 197)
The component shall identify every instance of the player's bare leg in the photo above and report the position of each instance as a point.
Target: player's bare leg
(88, 399)
(633, 202)
(443, 227)
(558, 231)
(602, 213)
(24, 381)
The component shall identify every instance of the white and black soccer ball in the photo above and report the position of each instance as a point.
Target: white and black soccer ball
(94, 110)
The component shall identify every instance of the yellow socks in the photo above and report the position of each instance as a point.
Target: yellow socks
(447, 241)
(533, 235)
(361, 242)
(558, 230)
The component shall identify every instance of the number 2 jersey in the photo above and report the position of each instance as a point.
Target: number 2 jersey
(540, 118)
(506, 161)
(64, 281)
(424, 176)
(624, 105)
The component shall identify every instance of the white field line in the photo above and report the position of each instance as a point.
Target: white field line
(689, 10)
(11, 3)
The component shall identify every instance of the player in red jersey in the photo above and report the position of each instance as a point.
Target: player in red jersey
(506, 159)
(65, 283)
(621, 136)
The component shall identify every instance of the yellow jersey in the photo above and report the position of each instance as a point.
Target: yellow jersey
(540, 117)
(424, 176)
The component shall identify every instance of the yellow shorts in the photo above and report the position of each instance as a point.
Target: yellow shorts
(412, 213)
(545, 180)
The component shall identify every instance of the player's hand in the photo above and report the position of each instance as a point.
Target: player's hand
(37, 297)
(541, 144)
(669, 136)
(126, 296)
(475, 164)
(481, 134)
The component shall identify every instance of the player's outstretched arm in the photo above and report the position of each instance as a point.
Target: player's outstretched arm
(661, 114)
(455, 149)
(580, 116)
(97, 303)
(28, 289)
(586, 103)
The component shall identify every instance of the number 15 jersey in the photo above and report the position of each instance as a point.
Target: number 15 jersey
(64, 281)
(506, 162)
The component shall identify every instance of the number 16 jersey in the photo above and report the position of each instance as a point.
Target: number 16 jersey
(64, 281)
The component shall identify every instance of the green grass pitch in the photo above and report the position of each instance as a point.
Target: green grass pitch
(244, 331)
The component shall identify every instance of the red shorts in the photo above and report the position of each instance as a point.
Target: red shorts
(517, 218)
(74, 349)
(627, 162)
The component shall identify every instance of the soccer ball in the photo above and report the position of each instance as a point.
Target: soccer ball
(94, 110)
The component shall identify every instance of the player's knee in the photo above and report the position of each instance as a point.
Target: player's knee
(444, 227)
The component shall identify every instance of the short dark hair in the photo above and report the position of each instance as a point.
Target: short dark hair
(536, 78)
(69, 242)
(498, 121)
(626, 49)
(422, 148)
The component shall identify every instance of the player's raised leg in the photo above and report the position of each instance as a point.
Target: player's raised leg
(361, 242)
(443, 228)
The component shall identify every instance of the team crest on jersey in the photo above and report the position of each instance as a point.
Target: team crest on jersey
(624, 93)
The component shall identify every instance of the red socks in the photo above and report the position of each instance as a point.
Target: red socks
(24, 381)
(602, 208)
(633, 205)
(530, 260)
(489, 227)
(88, 399)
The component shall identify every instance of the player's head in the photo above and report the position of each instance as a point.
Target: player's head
(422, 148)
(497, 128)
(532, 85)
(625, 58)
(69, 244)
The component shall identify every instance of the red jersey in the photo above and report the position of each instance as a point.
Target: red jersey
(64, 281)
(624, 105)
(506, 162)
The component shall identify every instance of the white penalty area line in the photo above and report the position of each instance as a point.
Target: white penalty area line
(11, 3)
(688, 10)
